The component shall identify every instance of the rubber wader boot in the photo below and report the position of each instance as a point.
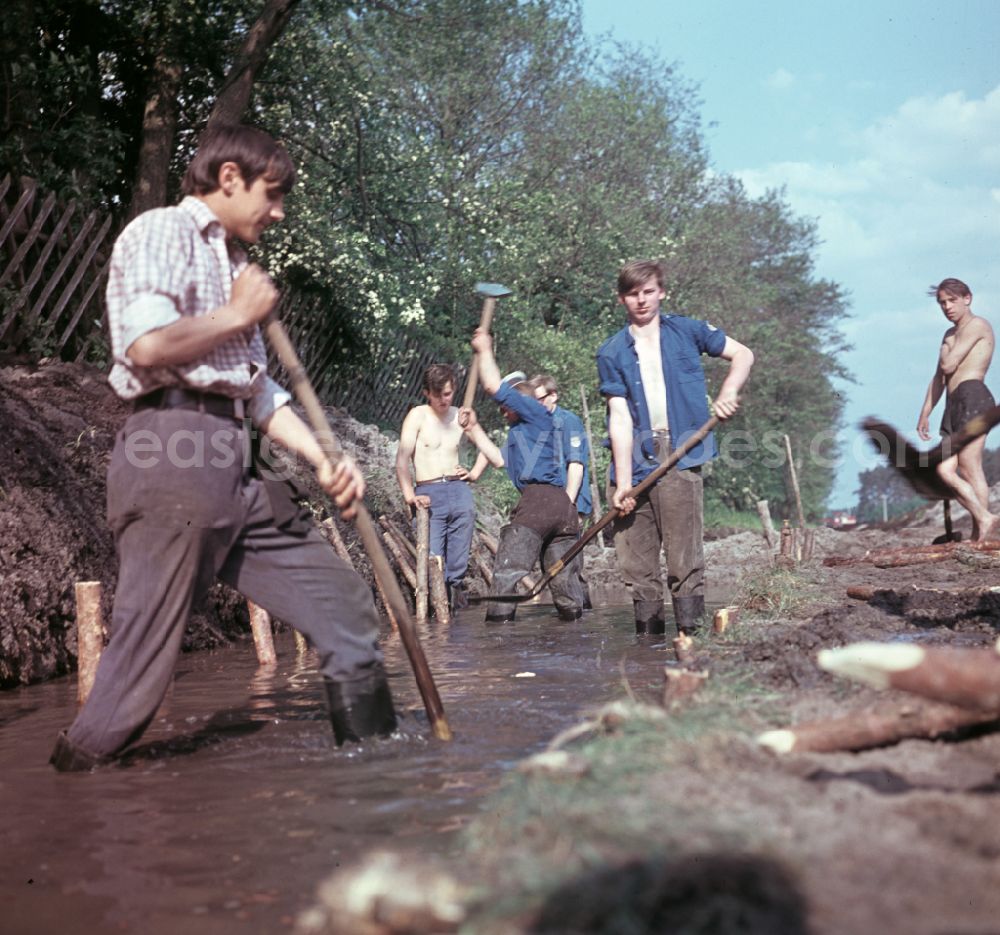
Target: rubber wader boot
(362, 708)
(649, 617)
(517, 552)
(457, 598)
(69, 758)
(567, 594)
(688, 612)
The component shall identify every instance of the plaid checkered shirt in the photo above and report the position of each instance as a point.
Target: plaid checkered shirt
(175, 262)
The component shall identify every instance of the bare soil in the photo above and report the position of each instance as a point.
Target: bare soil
(900, 839)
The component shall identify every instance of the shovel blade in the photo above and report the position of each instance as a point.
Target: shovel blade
(492, 290)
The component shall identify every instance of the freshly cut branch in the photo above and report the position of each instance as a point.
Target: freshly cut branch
(915, 555)
(968, 678)
(877, 727)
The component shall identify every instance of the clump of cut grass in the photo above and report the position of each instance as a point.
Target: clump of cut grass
(775, 592)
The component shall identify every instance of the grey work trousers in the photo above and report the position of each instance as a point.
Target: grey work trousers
(184, 510)
(670, 517)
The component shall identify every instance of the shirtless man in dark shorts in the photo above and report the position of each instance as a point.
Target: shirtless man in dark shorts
(964, 358)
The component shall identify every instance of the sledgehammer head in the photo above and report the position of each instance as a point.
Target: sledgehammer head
(492, 290)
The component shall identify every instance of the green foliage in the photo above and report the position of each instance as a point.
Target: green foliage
(442, 142)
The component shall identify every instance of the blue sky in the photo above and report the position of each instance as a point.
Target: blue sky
(881, 121)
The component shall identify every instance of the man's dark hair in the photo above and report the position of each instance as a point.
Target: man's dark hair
(437, 376)
(950, 287)
(254, 151)
(634, 274)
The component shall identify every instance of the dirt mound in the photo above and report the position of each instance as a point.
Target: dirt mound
(59, 422)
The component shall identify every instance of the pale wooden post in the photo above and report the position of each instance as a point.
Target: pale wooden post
(89, 636)
(263, 638)
(595, 491)
(423, 546)
(764, 512)
(439, 590)
(795, 482)
(301, 644)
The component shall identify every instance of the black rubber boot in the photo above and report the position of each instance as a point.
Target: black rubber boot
(567, 594)
(457, 598)
(517, 552)
(689, 612)
(362, 708)
(649, 618)
(68, 758)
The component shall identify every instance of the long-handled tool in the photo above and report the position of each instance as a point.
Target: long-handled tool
(366, 530)
(608, 517)
(491, 291)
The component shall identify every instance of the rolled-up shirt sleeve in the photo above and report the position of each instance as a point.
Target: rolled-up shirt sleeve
(611, 380)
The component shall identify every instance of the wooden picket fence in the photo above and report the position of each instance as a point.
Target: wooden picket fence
(53, 268)
(51, 299)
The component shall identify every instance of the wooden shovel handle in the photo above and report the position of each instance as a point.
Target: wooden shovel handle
(282, 345)
(485, 322)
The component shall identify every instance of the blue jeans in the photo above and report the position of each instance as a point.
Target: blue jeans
(452, 522)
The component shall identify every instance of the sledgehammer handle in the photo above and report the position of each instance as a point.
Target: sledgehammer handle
(485, 321)
(282, 345)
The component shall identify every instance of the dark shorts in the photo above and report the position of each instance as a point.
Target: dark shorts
(970, 399)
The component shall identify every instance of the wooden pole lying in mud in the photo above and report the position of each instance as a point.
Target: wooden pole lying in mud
(438, 589)
(423, 546)
(263, 637)
(968, 678)
(861, 730)
(89, 636)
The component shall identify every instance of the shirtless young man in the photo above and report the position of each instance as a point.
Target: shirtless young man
(430, 438)
(964, 358)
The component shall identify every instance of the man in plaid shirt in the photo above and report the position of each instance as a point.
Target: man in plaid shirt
(184, 309)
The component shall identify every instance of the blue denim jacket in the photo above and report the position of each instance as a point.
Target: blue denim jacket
(682, 342)
(533, 450)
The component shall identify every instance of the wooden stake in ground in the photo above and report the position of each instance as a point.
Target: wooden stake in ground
(423, 546)
(968, 678)
(439, 589)
(263, 637)
(680, 684)
(89, 636)
(764, 512)
(724, 618)
(683, 647)
(794, 477)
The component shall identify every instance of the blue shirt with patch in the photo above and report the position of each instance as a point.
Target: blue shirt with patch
(682, 342)
(533, 450)
(575, 448)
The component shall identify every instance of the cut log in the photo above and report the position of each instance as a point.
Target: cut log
(683, 647)
(438, 589)
(680, 684)
(420, 572)
(724, 618)
(876, 727)
(861, 592)
(401, 562)
(263, 636)
(89, 636)
(932, 605)
(967, 678)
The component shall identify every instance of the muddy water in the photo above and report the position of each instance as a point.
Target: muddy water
(236, 803)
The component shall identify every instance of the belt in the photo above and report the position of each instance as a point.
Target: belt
(179, 397)
(440, 480)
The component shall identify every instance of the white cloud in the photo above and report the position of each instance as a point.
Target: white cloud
(915, 200)
(779, 80)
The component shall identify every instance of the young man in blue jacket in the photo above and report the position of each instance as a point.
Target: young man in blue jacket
(651, 376)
